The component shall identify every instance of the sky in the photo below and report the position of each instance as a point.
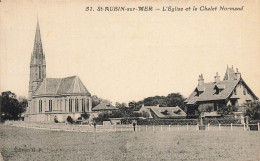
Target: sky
(126, 56)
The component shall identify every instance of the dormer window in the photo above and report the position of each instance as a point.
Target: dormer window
(217, 91)
(219, 88)
(199, 91)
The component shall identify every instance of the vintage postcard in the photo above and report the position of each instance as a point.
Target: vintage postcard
(129, 80)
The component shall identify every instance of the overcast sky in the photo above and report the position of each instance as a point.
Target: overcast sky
(125, 56)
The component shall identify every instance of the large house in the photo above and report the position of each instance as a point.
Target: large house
(211, 97)
(53, 97)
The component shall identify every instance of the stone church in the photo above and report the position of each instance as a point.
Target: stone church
(51, 98)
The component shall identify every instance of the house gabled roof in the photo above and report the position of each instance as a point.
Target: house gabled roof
(61, 86)
(167, 112)
(104, 106)
(164, 112)
(209, 92)
(250, 91)
(219, 90)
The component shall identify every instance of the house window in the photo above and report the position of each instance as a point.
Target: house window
(40, 106)
(70, 105)
(244, 91)
(198, 93)
(215, 106)
(83, 105)
(235, 92)
(248, 101)
(50, 105)
(217, 91)
(76, 105)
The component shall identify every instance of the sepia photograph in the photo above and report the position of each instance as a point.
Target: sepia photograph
(130, 80)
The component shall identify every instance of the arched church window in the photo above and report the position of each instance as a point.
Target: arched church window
(83, 105)
(40, 75)
(50, 105)
(70, 105)
(76, 105)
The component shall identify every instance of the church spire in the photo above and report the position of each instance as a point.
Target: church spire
(38, 63)
(37, 48)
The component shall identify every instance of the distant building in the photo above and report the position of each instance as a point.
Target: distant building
(157, 112)
(211, 96)
(53, 97)
(103, 107)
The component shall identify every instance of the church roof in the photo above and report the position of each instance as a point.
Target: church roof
(61, 86)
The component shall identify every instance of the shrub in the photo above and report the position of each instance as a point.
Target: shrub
(167, 122)
(56, 120)
(70, 120)
(188, 121)
(217, 121)
(253, 125)
(85, 116)
(253, 110)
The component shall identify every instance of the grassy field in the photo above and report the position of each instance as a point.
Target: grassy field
(30, 144)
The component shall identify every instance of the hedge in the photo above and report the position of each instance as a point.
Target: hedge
(168, 122)
(214, 121)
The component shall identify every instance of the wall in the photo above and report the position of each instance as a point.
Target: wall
(60, 106)
(240, 94)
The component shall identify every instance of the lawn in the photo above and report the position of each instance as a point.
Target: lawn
(18, 143)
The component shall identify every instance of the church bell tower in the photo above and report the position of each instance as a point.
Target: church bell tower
(38, 63)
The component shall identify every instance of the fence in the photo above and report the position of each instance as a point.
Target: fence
(129, 127)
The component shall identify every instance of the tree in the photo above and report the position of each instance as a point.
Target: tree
(175, 99)
(156, 100)
(253, 110)
(96, 100)
(132, 104)
(11, 108)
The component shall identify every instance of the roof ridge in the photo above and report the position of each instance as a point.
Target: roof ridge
(78, 83)
(71, 85)
(69, 77)
(58, 87)
(75, 84)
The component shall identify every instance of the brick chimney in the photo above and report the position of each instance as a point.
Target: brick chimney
(238, 74)
(200, 80)
(217, 78)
